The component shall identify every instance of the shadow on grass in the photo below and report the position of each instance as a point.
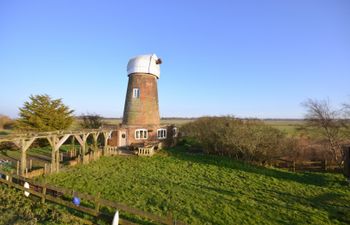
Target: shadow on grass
(43, 159)
(335, 204)
(303, 178)
(337, 207)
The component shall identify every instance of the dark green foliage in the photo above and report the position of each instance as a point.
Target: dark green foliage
(91, 121)
(42, 113)
(249, 140)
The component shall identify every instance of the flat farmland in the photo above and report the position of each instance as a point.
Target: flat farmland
(291, 127)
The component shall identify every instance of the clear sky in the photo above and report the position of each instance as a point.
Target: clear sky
(249, 58)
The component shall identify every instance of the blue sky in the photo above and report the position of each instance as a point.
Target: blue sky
(249, 58)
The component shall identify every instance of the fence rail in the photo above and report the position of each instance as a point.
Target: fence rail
(90, 204)
(319, 165)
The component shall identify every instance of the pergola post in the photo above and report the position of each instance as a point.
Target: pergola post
(95, 139)
(56, 143)
(106, 136)
(25, 144)
(82, 141)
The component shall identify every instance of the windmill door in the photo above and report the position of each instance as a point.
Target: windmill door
(122, 138)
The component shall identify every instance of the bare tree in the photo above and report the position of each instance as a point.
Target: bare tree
(91, 121)
(321, 115)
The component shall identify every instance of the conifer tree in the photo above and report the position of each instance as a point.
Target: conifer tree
(42, 113)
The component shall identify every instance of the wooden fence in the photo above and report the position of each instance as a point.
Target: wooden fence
(91, 205)
(316, 166)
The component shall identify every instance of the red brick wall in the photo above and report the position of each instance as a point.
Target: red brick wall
(143, 110)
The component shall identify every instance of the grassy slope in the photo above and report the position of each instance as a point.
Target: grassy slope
(202, 189)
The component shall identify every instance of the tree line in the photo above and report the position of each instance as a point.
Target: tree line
(252, 140)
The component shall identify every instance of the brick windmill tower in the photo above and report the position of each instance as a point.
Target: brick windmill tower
(141, 120)
(141, 102)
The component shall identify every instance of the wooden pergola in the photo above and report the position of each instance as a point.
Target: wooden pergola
(56, 140)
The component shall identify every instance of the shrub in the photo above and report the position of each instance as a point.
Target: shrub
(248, 140)
(91, 121)
(5, 122)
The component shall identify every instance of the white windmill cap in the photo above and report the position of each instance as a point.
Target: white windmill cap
(145, 64)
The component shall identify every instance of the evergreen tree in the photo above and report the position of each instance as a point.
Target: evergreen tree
(42, 113)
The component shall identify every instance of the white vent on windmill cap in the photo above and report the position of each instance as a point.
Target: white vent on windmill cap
(145, 64)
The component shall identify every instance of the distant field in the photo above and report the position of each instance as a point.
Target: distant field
(291, 127)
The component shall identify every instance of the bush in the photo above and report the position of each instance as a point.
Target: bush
(248, 140)
(5, 122)
(91, 121)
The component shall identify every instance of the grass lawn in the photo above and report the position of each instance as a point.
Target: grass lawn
(17, 209)
(202, 189)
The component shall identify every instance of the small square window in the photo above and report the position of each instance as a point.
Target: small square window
(161, 133)
(141, 134)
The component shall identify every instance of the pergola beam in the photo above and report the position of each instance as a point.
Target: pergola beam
(56, 140)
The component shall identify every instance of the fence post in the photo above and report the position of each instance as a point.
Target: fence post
(30, 164)
(293, 166)
(325, 165)
(44, 194)
(10, 178)
(17, 168)
(97, 203)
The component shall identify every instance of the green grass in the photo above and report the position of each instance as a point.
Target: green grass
(39, 155)
(202, 189)
(291, 127)
(17, 209)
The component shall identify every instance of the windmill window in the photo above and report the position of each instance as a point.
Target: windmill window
(141, 134)
(136, 92)
(161, 133)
